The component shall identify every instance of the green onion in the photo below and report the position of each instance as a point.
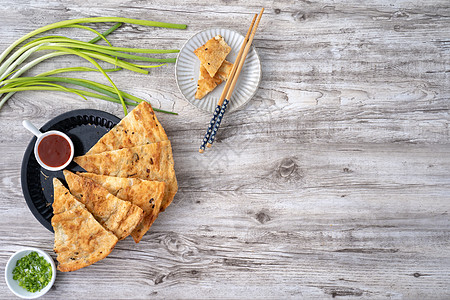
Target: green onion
(88, 20)
(106, 33)
(11, 82)
(82, 55)
(99, 35)
(104, 89)
(33, 272)
(76, 69)
(31, 64)
(61, 88)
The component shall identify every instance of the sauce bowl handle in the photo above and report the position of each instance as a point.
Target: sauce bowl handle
(28, 125)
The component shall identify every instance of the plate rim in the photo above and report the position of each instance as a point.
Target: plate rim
(29, 151)
(252, 48)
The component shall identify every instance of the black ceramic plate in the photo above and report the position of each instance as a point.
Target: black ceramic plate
(85, 127)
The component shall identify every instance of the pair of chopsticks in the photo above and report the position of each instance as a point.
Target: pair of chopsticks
(224, 99)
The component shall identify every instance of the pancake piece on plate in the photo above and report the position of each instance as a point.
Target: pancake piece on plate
(212, 54)
(206, 83)
(80, 240)
(224, 70)
(139, 127)
(143, 193)
(118, 216)
(150, 162)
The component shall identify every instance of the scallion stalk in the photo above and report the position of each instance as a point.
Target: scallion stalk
(87, 20)
(11, 83)
(89, 29)
(104, 89)
(51, 88)
(75, 69)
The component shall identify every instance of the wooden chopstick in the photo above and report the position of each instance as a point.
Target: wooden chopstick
(242, 59)
(236, 63)
(225, 89)
(233, 81)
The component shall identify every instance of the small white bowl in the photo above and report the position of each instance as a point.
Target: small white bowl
(39, 140)
(14, 285)
(40, 136)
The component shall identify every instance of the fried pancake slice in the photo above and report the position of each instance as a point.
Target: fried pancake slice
(212, 54)
(143, 193)
(80, 240)
(150, 162)
(63, 200)
(118, 216)
(206, 83)
(139, 127)
(224, 70)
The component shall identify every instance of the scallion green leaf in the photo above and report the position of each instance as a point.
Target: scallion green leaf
(9, 74)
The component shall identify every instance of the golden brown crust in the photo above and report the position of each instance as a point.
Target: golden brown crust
(149, 162)
(143, 193)
(224, 70)
(63, 200)
(212, 54)
(206, 83)
(118, 216)
(139, 127)
(79, 239)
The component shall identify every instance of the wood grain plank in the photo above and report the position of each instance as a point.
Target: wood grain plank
(333, 182)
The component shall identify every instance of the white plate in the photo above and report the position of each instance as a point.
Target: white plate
(188, 64)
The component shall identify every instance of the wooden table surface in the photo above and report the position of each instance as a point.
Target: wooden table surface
(333, 182)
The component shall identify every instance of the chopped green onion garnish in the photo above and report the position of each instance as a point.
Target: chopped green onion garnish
(33, 272)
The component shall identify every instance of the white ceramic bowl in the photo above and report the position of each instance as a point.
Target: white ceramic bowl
(39, 140)
(40, 136)
(14, 285)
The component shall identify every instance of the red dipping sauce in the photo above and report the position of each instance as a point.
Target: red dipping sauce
(54, 150)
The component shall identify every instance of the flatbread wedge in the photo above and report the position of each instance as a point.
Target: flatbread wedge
(143, 193)
(212, 54)
(150, 162)
(139, 127)
(224, 70)
(118, 216)
(206, 83)
(80, 240)
(63, 200)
